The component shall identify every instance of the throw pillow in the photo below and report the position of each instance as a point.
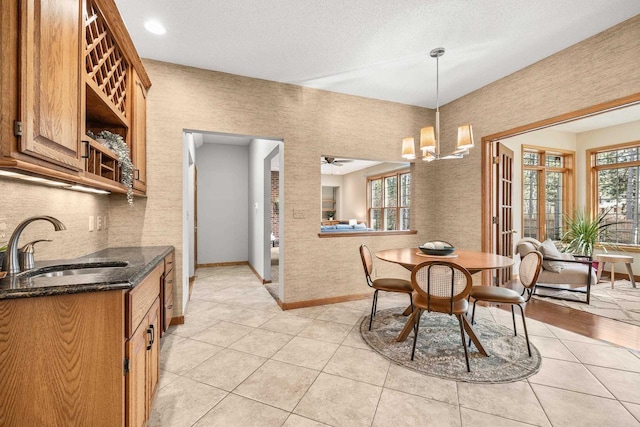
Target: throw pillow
(548, 249)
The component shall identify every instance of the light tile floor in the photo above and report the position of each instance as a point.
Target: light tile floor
(240, 361)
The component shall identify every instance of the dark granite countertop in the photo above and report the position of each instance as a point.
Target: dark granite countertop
(140, 262)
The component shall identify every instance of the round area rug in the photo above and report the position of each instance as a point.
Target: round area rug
(439, 351)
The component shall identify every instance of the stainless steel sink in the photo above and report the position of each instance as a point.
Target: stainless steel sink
(75, 269)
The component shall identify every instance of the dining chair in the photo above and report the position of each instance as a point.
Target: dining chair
(528, 272)
(441, 287)
(383, 283)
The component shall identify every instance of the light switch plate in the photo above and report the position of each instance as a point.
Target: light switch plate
(99, 223)
(90, 222)
(105, 224)
(299, 214)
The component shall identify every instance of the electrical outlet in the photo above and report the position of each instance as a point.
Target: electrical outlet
(99, 223)
(90, 222)
(104, 223)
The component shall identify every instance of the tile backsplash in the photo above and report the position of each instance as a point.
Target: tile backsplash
(20, 200)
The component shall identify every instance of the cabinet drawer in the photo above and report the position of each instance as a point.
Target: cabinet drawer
(168, 287)
(167, 302)
(168, 262)
(140, 299)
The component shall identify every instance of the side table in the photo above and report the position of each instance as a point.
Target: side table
(612, 259)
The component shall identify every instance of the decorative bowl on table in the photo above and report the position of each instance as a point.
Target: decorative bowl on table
(437, 247)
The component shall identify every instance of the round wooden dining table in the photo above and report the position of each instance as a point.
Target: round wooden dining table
(474, 261)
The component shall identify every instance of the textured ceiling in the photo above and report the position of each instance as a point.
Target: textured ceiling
(372, 48)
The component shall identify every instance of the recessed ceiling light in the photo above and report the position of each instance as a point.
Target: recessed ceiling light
(155, 27)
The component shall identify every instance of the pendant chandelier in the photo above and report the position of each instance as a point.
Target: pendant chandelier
(430, 136)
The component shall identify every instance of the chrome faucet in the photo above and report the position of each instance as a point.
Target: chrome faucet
(11, 264)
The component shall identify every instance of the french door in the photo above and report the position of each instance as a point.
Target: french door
(503, 218)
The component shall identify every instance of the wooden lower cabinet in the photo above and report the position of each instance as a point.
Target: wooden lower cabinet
(136, 379)
(142, 378)
(61, 360)
(77, 360)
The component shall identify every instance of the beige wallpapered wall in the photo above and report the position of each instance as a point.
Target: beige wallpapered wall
(311, 122)
(446, 195)
(21, 200)
(597, 70)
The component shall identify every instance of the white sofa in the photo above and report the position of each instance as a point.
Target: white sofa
(575, 275)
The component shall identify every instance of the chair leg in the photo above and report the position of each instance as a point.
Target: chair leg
(416, 328)
(473, 314)
(524, 323)
(513, 317)
(464, 342)
(373, 308)
(411, 302)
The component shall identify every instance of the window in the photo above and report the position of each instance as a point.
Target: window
(547, 191)
(389, 201)
(614, 184)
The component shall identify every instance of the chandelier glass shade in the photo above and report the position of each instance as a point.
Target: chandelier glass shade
(430, 135)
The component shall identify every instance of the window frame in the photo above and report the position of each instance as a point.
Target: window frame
(568, 178)
(592, 179)
(398, 175)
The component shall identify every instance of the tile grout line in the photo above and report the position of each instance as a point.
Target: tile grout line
(383, 387)
(539, 402)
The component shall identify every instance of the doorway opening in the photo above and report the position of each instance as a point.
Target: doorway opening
(227, 216)
(272, 250)
(498, 222)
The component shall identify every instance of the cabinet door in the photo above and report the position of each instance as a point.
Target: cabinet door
(153, 364)
(50, 80)
(139, 140)
(136, 380)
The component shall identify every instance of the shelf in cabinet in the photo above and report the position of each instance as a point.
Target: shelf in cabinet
(101, 110)
(102, 162)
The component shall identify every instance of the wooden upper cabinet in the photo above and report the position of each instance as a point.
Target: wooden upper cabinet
(68, 67)
(139, 140)
(50, 80)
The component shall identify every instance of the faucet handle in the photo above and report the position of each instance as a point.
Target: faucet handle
(29, 247)
(25, 255)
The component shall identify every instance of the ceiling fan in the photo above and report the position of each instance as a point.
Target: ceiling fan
(334, 161)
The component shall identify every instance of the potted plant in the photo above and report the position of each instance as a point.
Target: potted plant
(330, 215)
(116, 143)
(583, 232)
